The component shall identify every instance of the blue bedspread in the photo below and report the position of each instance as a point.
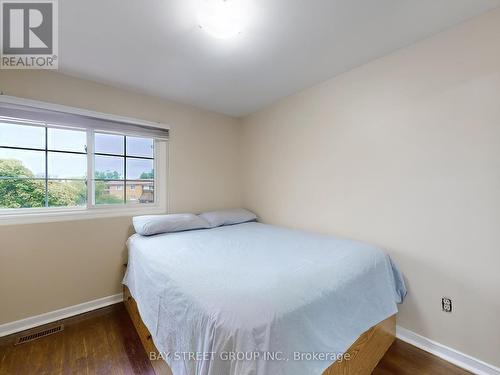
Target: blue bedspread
(255, 299)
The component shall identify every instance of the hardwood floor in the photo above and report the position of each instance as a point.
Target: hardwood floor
(405, 359)
(105, 342)
(101, 342)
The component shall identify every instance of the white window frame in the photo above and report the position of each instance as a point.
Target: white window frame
(9, 216)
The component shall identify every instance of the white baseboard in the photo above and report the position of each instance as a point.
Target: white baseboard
(52, 316)
(459, 359)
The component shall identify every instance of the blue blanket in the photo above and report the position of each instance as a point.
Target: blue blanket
(255, 299)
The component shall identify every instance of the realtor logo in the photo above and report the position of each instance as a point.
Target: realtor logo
(29, 34)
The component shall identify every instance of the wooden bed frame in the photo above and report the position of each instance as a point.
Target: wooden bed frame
(364, 354)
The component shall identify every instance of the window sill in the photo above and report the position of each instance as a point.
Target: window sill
(49, 216)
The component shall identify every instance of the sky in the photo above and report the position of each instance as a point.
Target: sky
(64, 165)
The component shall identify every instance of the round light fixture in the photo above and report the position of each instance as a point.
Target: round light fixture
(222, 19)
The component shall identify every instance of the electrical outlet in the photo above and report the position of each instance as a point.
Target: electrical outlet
(446, 304)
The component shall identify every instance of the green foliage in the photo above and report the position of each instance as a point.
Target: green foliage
(22, 193)
(67, 193)
(20, 190)
(147, 175)
(107, 175)
(14, 168)
(102, 197)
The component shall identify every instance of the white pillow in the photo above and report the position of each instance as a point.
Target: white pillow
(155, 224)
(228, 217)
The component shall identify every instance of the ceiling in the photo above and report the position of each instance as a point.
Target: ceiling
(156, 46)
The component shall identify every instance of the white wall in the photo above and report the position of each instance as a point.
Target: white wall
(403, 152)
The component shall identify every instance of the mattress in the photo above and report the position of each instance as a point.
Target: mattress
(256, 299)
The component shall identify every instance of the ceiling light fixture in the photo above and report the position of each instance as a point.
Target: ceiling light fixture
(222, 19)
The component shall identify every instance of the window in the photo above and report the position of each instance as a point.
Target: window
(47, 168)
(42, 167)
(123, 161)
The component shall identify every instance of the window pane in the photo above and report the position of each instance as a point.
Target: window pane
(109, 167)
(109, 192)
(25, 193)
(15, 135)
(67, 193)
(140, 192)
(66, 140)
(140, 147)
(140, 169)
(63, 165)
(22, 163)
(109, 144)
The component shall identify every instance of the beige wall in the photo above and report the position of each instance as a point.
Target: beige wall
(403, 152)
(48, 266)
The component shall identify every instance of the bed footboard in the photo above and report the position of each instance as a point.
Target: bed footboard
(159, 365)
(367, 350)
(364, 354)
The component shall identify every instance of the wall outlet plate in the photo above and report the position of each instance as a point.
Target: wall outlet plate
(446, 304)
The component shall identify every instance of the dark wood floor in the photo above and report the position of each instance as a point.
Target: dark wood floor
(405, 359)
(105, 342)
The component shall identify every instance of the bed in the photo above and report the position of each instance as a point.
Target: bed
(256, 299)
